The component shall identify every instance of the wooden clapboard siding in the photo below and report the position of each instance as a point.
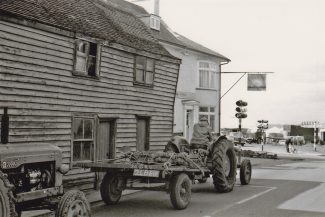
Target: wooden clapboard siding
(38, 85)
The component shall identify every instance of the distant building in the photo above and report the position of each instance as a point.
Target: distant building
(322, 135)
(296, 130)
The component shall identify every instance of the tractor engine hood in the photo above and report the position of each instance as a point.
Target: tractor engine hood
(15, 155)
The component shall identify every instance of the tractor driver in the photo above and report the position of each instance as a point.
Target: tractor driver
(202, 136)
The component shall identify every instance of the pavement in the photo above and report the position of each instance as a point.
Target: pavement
(303, 152)
(93, 197)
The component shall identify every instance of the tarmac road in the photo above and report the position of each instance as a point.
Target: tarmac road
(279, 188)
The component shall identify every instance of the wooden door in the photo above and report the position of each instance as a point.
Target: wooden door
(105, 143)
(142, 134)
(104, 140)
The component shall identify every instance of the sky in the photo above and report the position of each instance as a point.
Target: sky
(286, 37)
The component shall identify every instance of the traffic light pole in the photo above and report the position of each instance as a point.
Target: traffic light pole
(315, 136)
(239, 128)
(263, 140)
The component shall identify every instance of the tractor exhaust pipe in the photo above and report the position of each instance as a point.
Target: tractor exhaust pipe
(4, 126)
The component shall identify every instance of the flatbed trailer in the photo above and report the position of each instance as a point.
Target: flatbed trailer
(174, 175)
(123, 174)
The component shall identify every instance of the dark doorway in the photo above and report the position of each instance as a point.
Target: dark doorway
(143, 126)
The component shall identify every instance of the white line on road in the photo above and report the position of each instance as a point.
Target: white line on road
(256, 195)
(244, 200)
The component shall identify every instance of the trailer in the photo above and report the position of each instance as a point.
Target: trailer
(173, 171)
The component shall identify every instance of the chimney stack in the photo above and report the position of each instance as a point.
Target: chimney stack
(156, 7)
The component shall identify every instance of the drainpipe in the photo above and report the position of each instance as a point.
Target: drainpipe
(219, 100)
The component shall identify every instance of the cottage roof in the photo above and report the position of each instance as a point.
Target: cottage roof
(165, 34)
(92, 18)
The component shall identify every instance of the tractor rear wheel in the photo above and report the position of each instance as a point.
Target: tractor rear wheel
(224, 166)
(180, 191)
(111, 188)
(7, 206)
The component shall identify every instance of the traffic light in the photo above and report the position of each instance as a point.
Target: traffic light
(263, 124)
(241, 111)
(241, 103)
(263, 121)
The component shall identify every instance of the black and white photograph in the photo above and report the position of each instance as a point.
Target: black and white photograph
(162, 108)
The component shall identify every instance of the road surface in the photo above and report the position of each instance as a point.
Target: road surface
(279, 188)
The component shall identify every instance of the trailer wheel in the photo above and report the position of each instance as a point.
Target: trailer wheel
(73, 203)
(224, 166)
(180, 191)
(245, 172)
(111, 189)
(7, 206)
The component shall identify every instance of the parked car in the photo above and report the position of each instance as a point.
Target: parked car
(235, 137)
(251, 140)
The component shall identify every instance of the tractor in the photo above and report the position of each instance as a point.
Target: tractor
(31, 179)
(221, 159)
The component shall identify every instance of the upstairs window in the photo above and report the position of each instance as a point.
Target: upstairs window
(207, 75)
(144, 70)
(155, 22)
(87, 58)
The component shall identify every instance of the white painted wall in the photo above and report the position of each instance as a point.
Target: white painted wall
(187, 87)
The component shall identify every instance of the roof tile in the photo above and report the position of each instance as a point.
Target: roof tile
(93, 18)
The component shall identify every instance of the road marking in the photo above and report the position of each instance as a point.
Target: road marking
(244, 200)
(256, 195)
(311, 200)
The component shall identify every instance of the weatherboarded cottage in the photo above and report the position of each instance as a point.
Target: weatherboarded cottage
(86, 77)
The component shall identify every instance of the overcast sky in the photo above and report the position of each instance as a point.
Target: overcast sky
(286, 37)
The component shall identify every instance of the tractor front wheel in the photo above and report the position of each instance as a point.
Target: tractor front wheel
(7, 206)
(245, 172)
(73, 203)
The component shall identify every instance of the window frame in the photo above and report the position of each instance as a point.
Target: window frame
(210, 71)
(87, 54)
(144, 83)
(154, 22)
(73, 140)
(209, 113)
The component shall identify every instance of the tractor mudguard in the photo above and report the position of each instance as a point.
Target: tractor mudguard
(177, 144)
(215, 142)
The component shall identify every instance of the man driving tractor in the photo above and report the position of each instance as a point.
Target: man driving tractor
(202, 134)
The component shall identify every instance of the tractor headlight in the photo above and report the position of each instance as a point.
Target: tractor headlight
(64, 169)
